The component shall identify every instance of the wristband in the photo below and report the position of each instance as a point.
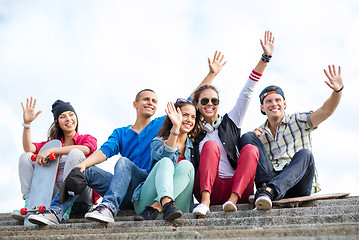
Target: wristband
(340, 89)
(266, 57)
(26, 125)
(174, 133)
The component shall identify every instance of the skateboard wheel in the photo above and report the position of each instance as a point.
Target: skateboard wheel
(42, 209)
(23, 211)
(52, 156)
(33, 157)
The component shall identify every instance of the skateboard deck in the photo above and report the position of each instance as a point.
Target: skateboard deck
(298, 201)
(42, 185)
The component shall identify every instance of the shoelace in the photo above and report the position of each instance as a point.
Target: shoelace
(100, 208)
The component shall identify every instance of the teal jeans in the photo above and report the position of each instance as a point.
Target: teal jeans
(168, 180)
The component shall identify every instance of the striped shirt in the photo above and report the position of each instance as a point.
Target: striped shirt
(293, 134)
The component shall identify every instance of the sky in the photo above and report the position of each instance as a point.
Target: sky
(99, 54)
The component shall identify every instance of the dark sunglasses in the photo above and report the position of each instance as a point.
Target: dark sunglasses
(205, 101)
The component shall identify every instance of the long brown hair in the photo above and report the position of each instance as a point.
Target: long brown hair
(164, 132)
(55, 132)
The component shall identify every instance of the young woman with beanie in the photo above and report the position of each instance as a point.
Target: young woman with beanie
(75, 148)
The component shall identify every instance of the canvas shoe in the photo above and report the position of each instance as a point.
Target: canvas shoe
(171, 212)
(48, 217)
(149, 213)
(229, 207)
(16, 214)
(201, 210)
(263, 198)
(100, 214)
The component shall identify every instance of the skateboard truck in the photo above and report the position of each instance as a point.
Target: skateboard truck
(52, 156)
(25, 211)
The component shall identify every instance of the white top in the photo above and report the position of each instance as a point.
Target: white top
(236, 115)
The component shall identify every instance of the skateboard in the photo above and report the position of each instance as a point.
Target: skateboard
(302, 201)
(42, 185)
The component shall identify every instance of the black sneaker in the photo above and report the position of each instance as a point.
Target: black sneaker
(171, 212)
(263, 198)
(149, 213)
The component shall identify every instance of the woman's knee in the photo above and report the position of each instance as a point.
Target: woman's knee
(211, 147)
(25, 158)
(74, 157)
(211, 144)
(251, 151)
(76, 154)
(185, 167)
(165, 163)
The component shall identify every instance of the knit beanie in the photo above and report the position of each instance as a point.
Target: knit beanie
(59, 107)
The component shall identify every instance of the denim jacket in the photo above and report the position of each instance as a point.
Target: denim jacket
(159, 150)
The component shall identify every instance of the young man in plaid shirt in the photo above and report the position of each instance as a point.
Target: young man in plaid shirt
(286, 164)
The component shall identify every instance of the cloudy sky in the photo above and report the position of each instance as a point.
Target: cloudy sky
(99, 54)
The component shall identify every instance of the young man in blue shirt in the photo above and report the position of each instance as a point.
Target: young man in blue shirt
(133, 143)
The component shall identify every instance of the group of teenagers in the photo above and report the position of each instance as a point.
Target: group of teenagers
(191, 151)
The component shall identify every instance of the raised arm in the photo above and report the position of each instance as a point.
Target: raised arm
(175, 116)
(268, 49)
(29, 115)
(335, 82)
(214, 68)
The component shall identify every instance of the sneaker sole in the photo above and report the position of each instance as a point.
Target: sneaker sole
(40, 220)
(20, 218)
(200, 213)
(263, 204)
(99, 218)
(229, 208)
(173, 216)
(138, 218)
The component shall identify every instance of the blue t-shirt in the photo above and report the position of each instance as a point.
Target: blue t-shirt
(132, 145)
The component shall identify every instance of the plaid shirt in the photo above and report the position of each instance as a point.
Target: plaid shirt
(293, 134)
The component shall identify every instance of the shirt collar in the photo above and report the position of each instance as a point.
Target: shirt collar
(74, 139)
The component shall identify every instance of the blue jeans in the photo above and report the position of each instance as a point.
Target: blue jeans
(116, 189)
(294, 180)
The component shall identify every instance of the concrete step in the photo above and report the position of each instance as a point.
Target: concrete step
(324, 218)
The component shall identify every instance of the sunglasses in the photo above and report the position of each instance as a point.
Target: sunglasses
(182, 100)
(205, 101)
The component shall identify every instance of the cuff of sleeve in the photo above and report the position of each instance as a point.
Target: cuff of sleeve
(106, 152)
(170, 149)
(255, 76)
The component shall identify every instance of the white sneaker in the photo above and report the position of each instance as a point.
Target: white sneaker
(100, 214)
(229, 207)
(45, 218)
(263, 203)
(17, 215)
(201, 210)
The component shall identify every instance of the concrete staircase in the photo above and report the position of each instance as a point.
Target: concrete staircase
(321, 219)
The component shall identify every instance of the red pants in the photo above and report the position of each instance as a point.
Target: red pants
(221, 189)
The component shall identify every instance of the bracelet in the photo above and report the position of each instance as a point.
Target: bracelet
(340, 89)
(174, 133)
(26, 125)
(266, 57)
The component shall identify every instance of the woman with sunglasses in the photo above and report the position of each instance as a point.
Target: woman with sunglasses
(75, 148)
(226, 171)
(169, 186)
